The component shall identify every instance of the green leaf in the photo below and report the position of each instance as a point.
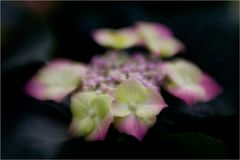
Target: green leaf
(131, 92)
(196, 145)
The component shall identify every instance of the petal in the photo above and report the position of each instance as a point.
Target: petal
(101, 104)
(80, 104)
(35, 89)
(147, 116)
(120, 110)
(130, 92)
(189, 94)
(152, 106)
(62, 72)
(154, 29)
(40, 91)
(187, 82)
(211, 88)
(82, 127)
(155, 98)
(57, 93)
(131, 125)
(182, 72)
(167, 47)
(183, 79)
(119, 39)
(159, 39)
(57, 79)
(100, 132)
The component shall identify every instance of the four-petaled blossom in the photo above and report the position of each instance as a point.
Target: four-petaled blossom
(56, 80)
(187, 82)
(118, 39)
(159, 39)
(91, 116)
(136, 107)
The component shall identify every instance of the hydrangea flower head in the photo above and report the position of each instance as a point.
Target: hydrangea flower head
(120, 87)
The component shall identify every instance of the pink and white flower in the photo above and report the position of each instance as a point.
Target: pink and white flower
(118, 39)
(159, 39)
(91, 116)
(136, 107)
(187, 82)
(55, 80)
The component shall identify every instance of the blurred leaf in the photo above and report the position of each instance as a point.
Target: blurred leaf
(197, 145)
(39, 132)
(187, 145)
(27, 39)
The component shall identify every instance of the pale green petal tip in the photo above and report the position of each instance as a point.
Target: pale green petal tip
(131, 91)
(182, 72)
(83, 127)
(152, 107)
(101, 104)
(120, 110)
(118, 39)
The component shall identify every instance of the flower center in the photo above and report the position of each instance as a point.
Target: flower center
(91, 112)
(132, 107)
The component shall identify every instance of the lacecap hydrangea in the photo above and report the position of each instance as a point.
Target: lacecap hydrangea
(122, 88)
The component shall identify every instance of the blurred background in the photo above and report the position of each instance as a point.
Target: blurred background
(33, 33)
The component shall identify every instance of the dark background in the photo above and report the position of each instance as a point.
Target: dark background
(33, 33)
